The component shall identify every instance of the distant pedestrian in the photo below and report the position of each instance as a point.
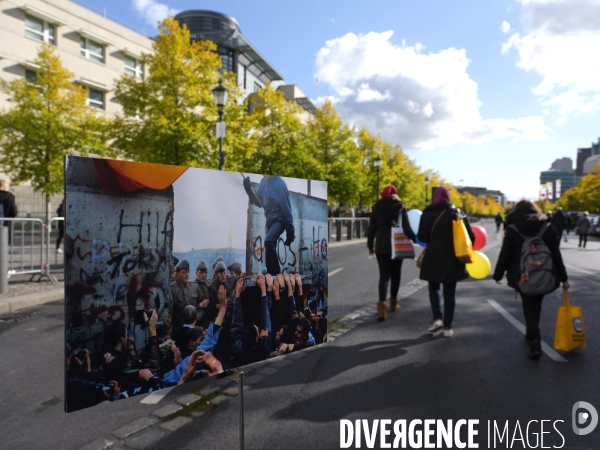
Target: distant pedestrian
(529, 222)
(498, 220)
(350, 212)
(559, 220)
(60, 212)
(440, 266)
(8, 206)
(583, 228)
(385, 214)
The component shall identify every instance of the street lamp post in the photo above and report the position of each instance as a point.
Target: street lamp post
(377, 163)
(220, 94)
(426, 190)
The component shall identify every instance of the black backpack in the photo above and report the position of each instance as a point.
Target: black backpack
(538, 275)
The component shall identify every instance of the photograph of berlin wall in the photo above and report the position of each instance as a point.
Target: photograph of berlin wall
(173, 274)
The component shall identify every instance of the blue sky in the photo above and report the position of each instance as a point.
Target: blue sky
(488, 92)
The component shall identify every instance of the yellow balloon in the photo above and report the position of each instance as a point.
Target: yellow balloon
(480, 267)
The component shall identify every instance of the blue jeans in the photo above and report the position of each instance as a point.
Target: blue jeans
(272, 260)
(449, 301)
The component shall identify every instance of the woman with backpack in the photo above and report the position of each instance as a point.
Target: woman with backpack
(387, 212)
(440, 267)
(530, 237)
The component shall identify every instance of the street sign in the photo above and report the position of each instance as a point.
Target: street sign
(220, 129)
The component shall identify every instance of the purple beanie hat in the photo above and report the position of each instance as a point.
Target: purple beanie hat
(441, 195)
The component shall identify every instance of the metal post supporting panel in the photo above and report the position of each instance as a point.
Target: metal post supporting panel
(237, 376)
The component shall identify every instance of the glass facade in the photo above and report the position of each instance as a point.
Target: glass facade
(203, 24)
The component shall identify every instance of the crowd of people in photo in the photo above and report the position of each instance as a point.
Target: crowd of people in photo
(214, 325)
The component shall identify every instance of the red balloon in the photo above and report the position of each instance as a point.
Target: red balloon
(481, 237)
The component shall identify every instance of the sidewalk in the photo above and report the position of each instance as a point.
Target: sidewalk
(23, 293)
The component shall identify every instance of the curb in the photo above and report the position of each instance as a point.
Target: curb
(344, 243)
(12, 304)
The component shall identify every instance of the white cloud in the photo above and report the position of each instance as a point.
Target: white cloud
(152, 11)
(505, 27)
(420, 100)
(560, 41)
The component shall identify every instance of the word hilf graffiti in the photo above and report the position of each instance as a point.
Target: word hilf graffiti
(119, 275)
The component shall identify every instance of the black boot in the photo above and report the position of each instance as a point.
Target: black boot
(535, 350)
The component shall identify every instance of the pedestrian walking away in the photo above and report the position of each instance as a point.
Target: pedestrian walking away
(527, 221)
(440, 267)
(583, 228)
(559, 220)
(8, 206)
(60, 212)
(498, 220)
(387, 212)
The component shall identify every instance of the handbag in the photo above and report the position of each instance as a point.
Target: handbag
(402, 248)
(569, 333)
(463, 247)
(422, 255)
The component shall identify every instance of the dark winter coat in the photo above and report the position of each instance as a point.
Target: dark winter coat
(183, 295)
(584, 225)
(7, 204)
(559, 220)
(440, 264)
(385, 215)
(529, 223)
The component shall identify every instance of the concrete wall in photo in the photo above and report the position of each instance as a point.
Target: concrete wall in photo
(118, 250)
(308, 253)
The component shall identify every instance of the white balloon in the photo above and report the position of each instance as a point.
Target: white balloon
(414, 218)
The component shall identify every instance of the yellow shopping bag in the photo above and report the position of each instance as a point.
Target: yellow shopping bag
(570, 330)
(463, 247)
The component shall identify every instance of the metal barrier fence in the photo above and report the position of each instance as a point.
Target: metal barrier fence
(345, 229)
(32, 245)
(27, 251)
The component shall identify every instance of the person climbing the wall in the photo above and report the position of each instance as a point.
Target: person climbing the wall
(273, 196)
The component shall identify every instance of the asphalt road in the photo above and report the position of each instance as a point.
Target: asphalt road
(390, 370)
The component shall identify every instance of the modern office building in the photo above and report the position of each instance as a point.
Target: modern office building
(567, 178)
(96, 49)
(498, 196)
(582, 155)
(593, 159)
(589, 163)
(99, 49)
(563, 164)
(239, 56)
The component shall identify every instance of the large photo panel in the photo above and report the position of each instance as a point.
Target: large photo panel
(174, 274)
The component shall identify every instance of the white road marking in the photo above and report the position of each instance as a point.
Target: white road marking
(155, 397)
(333, 272)
(519, 326)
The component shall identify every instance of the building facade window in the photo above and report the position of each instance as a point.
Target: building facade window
(134, 67)
(95, 98)
(245, 76)
(30, 75)
(256, 87)
(92, 50)
(40, 30)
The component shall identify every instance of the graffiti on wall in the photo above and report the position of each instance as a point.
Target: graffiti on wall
(307, 254)
(118, 260)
